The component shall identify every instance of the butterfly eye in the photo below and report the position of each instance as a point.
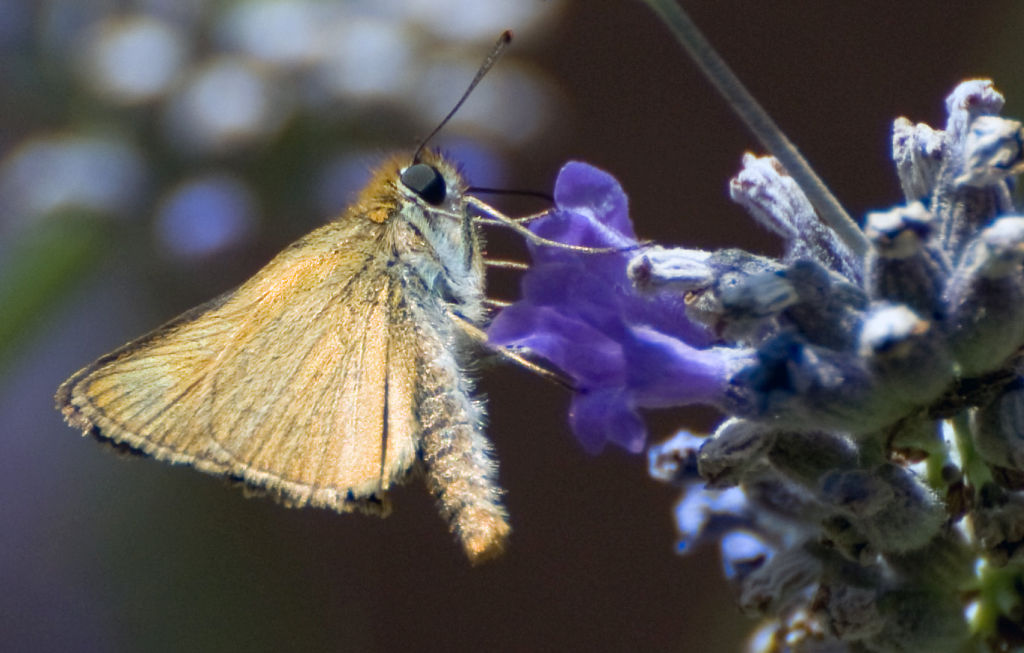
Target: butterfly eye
(426, 182)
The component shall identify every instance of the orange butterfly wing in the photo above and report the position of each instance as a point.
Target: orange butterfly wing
(299, 383)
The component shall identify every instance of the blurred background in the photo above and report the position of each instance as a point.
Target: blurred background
(154, 153)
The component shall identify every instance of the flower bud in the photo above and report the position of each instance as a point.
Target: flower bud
(851, 612)
(803, 387)
(735, 447)
(915, 620)
(775, 200)
(906, 354)
(917, 151)
(901, 267)
(829, 308)
(992, 151)
(679, 269)
(805, 456)
(998, 524)
(783, 578)
(998, 428)
(985, 299)
(892, 509)
(960, 208)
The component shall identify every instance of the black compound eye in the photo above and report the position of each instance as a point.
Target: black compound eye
(426, 182)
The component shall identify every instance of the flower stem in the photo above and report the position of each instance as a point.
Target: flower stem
(760, 124)
(975, 472)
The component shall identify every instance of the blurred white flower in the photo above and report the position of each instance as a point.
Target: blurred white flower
(228, 102)
(51, 173)
(513, 106)
(368, 58)
(134, 59)
(279, 32)
(473, 20)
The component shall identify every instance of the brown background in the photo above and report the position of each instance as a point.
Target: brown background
(139, 556)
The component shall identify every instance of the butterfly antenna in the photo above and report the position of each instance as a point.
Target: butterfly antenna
(499, 47)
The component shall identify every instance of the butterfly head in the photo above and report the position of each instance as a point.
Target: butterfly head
(430, 231)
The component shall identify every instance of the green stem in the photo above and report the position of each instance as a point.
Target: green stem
(997, 596)
(976, 473)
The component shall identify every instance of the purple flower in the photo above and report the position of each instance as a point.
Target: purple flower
(742, 552)
(623, 350)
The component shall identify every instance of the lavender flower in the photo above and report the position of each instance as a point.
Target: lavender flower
(867, 487)
(580, 311)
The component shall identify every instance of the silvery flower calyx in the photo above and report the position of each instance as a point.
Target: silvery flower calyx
(866, 485)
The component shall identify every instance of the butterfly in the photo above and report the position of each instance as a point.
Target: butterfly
(333, 373)
(336, 371)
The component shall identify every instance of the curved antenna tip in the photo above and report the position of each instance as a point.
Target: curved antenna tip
(499, 47)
